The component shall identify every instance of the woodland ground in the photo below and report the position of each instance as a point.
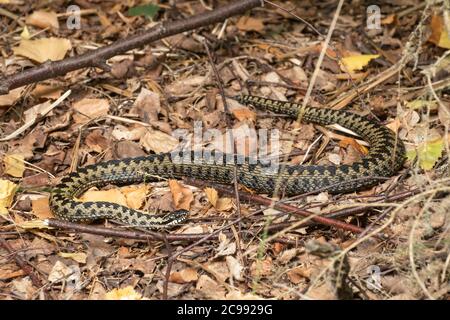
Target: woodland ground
(396, 72)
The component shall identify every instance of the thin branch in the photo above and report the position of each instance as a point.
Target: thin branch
(50, 70)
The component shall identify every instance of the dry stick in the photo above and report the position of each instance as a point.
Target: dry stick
(95, 58)
(281, 206)
(229, 125)
(21, 263)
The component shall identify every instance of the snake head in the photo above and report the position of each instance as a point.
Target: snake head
(175, 217)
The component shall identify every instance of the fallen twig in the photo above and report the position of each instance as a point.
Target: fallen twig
(97, 58)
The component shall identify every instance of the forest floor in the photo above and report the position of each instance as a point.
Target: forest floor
(393, 240)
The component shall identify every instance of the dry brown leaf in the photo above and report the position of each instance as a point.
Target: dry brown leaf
(121, 132)
(244, 114)
(210, 288)
(262, 268)
(184, 276)
(43, 49)
(14, 165)
(128, 149)
(439, 35)
(221, 204)
(112, 195)
(235, 267)
(79, 257)
(147, 105)
(47, 91)
(250, 24)
(352, 142)
(299, 274)
(41, 208)
(7, 100)
(88, 109)
(158, 142)
(135, 195)
(96, 141)
(43, 19)
(182, 196)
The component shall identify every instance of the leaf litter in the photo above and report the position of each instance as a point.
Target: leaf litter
(167, 86)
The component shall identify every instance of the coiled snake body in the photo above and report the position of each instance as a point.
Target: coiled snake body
(385, 158)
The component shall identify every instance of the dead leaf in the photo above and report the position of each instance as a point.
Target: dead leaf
(184, 276)
(96, 141)
(244, 114)
(147, 105)
(9, 99)
(299, 274)
(225, 247)
(41, 208)
(210, 288)
(158, 141)
(345, 142)
(439, 35)
(23, 288)
(14, 165)
(79, 257)
(135, 195)
(47, 91)
(112, 195)
(43, 19)
(356, 62)
(88, 109)
(221, 204)
(287, 255)
(247, 23)
(262, 268)
(7, 191)
(43, 49)
(182, 196)
(126, 293)
(235, 267)
(128, 149)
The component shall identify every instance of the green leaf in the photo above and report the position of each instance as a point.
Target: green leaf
(147, 10)
(429, 153)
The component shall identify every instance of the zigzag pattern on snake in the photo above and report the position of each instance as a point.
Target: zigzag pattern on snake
(385, 158)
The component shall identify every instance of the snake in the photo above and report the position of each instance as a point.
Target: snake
(384, 159)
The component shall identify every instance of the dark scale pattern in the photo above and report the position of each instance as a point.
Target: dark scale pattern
(385, 158)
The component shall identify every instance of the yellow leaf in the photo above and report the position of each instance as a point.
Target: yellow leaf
(79, 257)
(135, 195)
(112, 195)
(356, 62)
(25, 34)
(212, 195)
(439, 35)
(7, 192)
(182, 196)
(429, 153)
(43, 19)
(126, 293)
(43, 49)
(14, 165)
(221, 204)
